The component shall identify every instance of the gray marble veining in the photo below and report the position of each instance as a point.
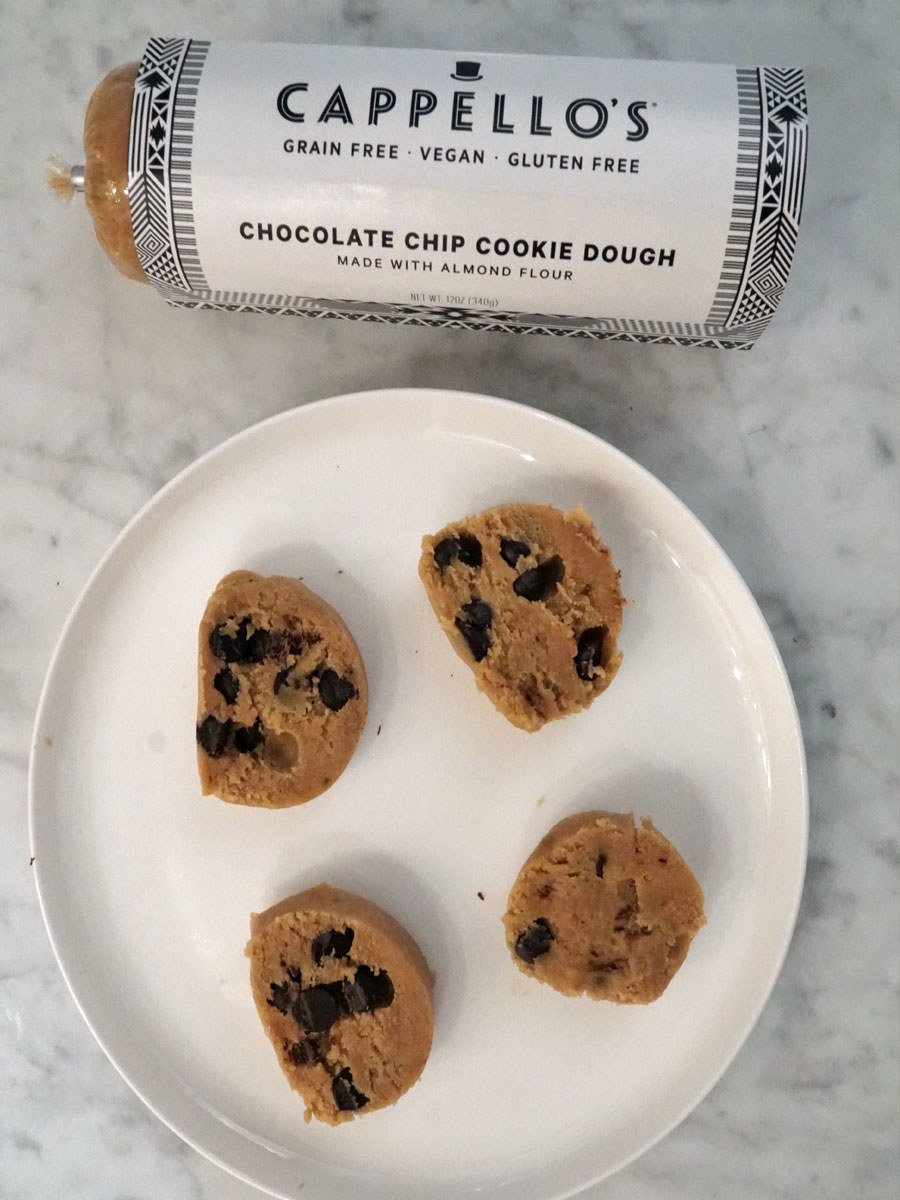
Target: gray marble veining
(788, 454)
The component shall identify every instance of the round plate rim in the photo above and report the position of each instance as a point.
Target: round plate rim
(426, 395)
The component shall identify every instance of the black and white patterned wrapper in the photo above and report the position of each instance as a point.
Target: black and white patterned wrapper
(633, 201)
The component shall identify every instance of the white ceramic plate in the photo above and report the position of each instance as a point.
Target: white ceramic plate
(146, 885)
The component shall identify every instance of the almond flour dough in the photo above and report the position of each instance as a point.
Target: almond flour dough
(282, 692)
(107, 125)
(604, 908)
(344, 995)
(530, 599)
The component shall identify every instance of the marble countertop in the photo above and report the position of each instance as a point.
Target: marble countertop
(788, 454)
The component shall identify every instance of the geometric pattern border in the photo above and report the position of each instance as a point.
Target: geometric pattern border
(159, 149)
(779, 199)
(180, 187)
(746, 186)
(462, 319)
(676, 333)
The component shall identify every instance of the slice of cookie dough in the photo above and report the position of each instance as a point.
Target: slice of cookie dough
(530, 599)
(604, 908)
(282, 692)
(344, 994)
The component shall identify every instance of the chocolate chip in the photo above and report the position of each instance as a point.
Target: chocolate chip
(281, 679)
(336, 992)
(590, 650)
(303, 1053)
(333, 942)
(315, 1009)
(215, 737)
(601, 863)
(535, 941)
(469, 550)
(282, 997)
(474, 622)
(445, 551)
(353, 997)
(466, 547)
(223, 737)
(334, 690)
(240, 647)
(539, 582)
(347, 1097)
(223, 645)
(258, 645)
(248, 737)
(376, 985)
(478, 640)
(511, 551)
(227, 684)
(478, 613)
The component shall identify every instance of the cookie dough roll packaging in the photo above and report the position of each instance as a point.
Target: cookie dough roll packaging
(637, 201)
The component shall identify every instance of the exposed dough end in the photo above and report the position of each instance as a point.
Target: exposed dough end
(106, 129)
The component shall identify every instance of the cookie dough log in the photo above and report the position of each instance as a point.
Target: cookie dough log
(604, 908)
(106, 128)
(282, 692)
(530, 599)
(345, 997)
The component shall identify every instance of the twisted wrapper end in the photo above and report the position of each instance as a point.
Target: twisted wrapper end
(64, 180)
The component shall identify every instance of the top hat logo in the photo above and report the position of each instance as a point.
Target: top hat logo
(467, 72)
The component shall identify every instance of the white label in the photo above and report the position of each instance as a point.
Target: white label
(604, 190)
